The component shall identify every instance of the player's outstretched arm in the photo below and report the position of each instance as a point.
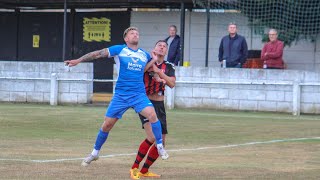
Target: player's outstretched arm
(153, 60)
(88, 57)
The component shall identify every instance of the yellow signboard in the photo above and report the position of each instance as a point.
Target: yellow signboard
(96, 29)
(36, 41)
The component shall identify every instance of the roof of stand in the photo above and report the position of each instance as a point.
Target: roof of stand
(59, 4)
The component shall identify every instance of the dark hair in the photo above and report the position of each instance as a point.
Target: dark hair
(161, 41)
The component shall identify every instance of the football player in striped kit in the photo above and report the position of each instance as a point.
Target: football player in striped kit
(161, 73)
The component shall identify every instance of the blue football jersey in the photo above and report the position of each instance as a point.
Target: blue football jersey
(130, 66)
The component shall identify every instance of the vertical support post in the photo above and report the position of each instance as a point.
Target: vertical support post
(64, 31)
(315, 53)
(207, 33)
(17, 13)
(72, 26)
(54, 90)
(170, 97)
(182, 26)
(296, 94)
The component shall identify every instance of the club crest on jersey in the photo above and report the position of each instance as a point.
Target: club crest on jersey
(142, 57)
(135, 60)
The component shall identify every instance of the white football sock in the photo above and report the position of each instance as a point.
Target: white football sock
(95, 152)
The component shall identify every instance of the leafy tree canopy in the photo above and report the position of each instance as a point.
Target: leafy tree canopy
(294, 19)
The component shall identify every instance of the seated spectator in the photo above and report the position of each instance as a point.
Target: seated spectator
(272, 52)
(173, 41)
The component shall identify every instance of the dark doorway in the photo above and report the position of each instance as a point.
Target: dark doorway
(40, 37)
(8, 35)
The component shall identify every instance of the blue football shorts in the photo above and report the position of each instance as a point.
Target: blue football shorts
(118, 105)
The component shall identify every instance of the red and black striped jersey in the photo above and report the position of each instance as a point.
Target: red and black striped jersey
(151, 85)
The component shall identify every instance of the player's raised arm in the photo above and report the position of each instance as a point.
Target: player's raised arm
(88, 57)
(170, 81)
(153, 60)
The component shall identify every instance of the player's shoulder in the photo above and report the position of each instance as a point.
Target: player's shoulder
(144, 52)
(169, 64)
(117, 47)
(115, 50)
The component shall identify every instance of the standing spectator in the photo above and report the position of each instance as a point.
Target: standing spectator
(272, 52)
(233, 48)
(173, 42)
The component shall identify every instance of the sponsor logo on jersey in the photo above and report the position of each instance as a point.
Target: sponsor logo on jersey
(134, 66)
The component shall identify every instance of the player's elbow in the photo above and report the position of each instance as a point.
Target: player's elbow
(171, 84)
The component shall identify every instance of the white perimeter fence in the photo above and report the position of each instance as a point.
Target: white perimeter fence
(170, 95)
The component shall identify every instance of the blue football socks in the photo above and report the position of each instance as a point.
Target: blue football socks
(157, 131)
(101, 139)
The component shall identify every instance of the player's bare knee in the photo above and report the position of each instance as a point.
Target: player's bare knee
(152, 117)
(107, 124)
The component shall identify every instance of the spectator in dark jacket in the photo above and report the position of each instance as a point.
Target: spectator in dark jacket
(233, 48)
(173, 41)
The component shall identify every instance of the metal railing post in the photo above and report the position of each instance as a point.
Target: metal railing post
(170, 97)
(296, 94)
(54, 89)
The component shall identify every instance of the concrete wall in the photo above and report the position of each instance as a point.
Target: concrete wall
(37, 87)
(271, 90)
(197, 87)
(302, 55)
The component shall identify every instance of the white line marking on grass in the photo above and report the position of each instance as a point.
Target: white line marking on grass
(247, 144)
(266, 116)
(172, 150)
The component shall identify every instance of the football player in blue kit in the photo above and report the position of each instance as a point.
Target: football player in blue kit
(131, 63)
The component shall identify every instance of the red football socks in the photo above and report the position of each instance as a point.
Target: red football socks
(151, 158)
(143, 149)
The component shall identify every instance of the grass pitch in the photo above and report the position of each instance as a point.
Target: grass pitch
(48, 142)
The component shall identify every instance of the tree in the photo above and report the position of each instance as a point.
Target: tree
(294, 19)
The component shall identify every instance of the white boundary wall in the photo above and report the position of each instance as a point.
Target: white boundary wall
(212, 88)
(33, 82)
(247, 89)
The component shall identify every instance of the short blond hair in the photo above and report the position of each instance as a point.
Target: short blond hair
(129, 29)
